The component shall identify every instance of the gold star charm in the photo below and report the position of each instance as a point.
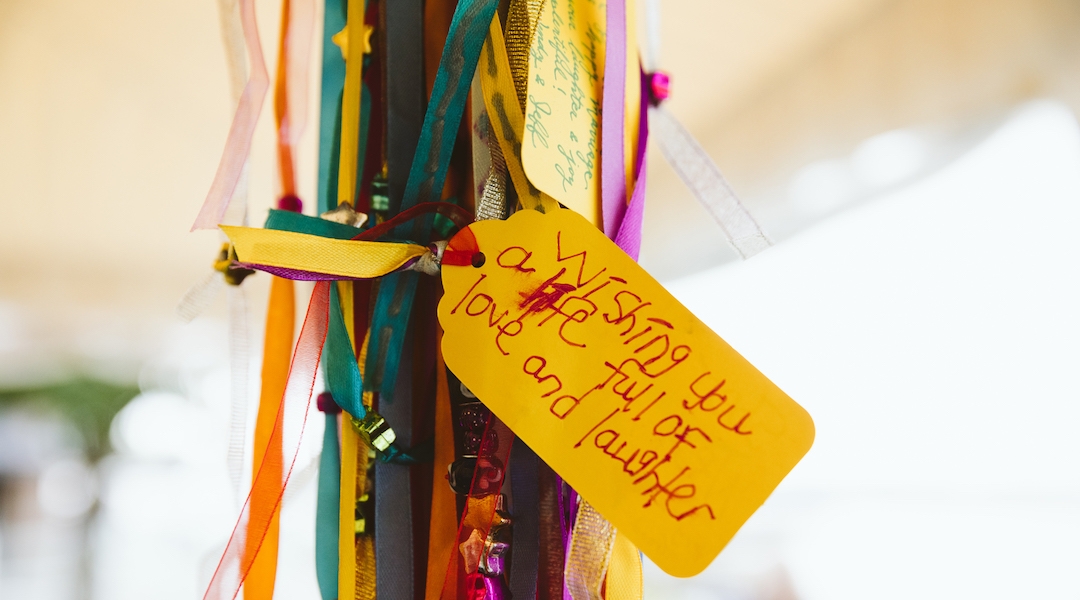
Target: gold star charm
(341, 40)
(471, 550)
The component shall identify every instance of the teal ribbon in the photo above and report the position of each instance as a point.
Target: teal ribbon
(285, 220)
(468, 29)
(342, 374)
(333, 82)
(329, 491)
(326, 511)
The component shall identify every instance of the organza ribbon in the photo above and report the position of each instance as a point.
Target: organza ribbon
(238, 143)
(199, 296)
(590, 551)
(270, 480)
(707, 183)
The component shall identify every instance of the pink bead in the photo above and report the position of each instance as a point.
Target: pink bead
(291, 203)
(659, 86)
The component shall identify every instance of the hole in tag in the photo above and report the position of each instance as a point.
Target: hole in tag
(478, 259)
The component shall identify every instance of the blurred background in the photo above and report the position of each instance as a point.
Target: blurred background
(916, 161)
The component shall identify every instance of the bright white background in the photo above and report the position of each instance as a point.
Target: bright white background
(934, 336)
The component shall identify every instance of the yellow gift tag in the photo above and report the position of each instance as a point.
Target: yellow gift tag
(663, 427)
(561, 145)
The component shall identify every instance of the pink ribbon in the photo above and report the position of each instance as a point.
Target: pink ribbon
(238, 144)
(242, 130)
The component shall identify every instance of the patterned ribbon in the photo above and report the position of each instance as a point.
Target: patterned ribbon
(590, 551)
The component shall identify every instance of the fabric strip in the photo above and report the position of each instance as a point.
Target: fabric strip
(703, 177)
(350, 103)
(238, 143)
(507, 119)
(350, 442)
(629, 236)
(326, 511)
(612, 162)
(302, 252)
(624, 576)
(291, 421)
(443, 524)
(333, 82)
(393, 495)
(526, 513)
(277, 351)
(552, 548)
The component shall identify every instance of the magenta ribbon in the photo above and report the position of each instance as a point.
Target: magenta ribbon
(629, 235)
(622, 221)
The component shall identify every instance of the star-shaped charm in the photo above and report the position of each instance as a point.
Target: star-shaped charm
(341, 40)
(471, 551)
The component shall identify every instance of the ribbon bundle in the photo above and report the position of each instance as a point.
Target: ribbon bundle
(421, 490)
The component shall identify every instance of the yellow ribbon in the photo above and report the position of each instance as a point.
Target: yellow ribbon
(443, 525)
(350, 103)
(304, 252)
(624, 571)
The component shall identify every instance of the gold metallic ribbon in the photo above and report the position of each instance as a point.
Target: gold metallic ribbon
(507, 119)
(590, 551)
